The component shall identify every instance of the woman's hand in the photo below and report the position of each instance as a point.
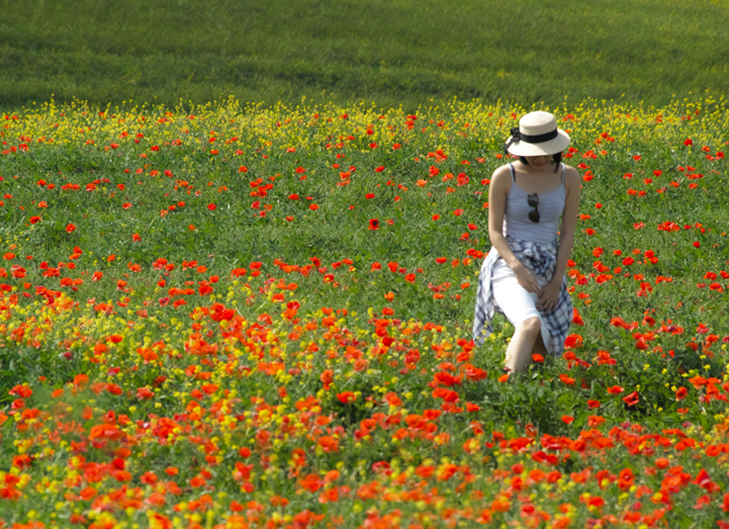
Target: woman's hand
(525, 278)
(548, 296)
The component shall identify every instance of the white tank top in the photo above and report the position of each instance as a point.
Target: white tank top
(516, 214)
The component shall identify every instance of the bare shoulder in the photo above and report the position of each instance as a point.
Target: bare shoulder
(572, 177)
(501, 179)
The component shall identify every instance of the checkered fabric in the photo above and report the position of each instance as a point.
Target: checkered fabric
(541, 260)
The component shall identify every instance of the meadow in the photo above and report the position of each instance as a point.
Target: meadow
(395, 53)
(240, 245)
(247, 316)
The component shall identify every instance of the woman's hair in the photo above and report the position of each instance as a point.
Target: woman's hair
(557, 157)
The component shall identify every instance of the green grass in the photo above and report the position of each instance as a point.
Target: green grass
(294, 346)
(390, 53)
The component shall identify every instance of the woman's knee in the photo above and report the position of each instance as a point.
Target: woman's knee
(531, 327)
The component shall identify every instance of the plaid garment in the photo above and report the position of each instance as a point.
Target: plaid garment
(541, 260)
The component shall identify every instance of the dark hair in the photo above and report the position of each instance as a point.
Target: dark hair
(557, 157)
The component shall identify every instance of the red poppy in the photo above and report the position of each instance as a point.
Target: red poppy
(566, 379)
(328, 443)
(148, 478)
(346, 397)
(144, 393)
(595, 420)
(631, 399)
(311, 482)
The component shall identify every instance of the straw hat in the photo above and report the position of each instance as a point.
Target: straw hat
(537, 135)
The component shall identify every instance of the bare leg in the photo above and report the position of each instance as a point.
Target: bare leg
(539, 347)
(519, 351)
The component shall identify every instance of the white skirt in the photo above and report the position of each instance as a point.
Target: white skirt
(513, 300)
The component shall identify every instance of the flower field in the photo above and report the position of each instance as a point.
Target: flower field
(249, 317)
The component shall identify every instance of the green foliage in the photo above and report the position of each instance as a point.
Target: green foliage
(393, 53)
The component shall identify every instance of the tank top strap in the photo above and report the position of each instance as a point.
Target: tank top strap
(563, 172)
(513, 173)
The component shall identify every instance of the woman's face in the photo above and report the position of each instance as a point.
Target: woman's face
(539, 163)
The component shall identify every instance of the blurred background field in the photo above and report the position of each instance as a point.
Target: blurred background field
(391, 53)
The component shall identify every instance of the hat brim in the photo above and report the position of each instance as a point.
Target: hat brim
(553, 146)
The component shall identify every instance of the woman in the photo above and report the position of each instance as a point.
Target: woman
(533, 208)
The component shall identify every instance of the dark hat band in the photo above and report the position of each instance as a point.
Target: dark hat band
(528, 138)
(539, 138)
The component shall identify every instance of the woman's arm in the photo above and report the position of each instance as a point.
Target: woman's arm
(549, 295)
(569, 222)
(498, 191)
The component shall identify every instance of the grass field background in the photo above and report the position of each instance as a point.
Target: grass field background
(391, 53)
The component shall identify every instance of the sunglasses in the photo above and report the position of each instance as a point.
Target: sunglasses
(533, 201)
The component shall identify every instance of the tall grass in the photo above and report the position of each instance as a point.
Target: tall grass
(390, 53)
